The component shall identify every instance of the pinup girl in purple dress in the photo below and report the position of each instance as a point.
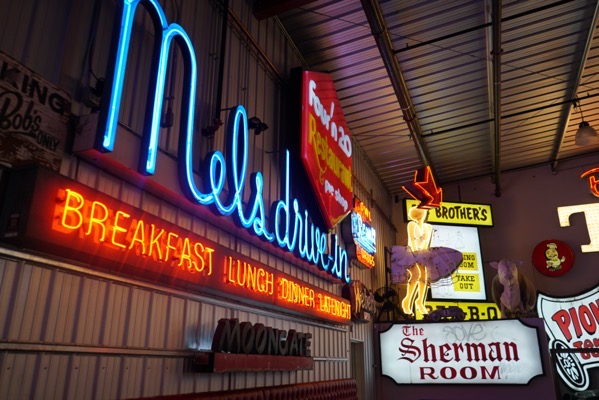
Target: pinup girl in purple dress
(418, 264)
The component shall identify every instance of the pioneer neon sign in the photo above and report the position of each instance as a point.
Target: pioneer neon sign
(572, 323)
(291, 228)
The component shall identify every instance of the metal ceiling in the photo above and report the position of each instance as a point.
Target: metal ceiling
(473, 88)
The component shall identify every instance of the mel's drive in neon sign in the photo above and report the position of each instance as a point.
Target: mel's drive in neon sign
(291, 228)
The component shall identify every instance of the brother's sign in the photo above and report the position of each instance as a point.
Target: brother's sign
(482, 352)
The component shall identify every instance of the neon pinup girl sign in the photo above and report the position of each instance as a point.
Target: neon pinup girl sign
(290, 227)
(417, 264)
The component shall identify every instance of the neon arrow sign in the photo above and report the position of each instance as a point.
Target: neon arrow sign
(290, 227)
(424, 188)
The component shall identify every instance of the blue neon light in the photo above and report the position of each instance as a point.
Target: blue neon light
(363, 234)
(172, 31)
(291, 228)
(127, 9)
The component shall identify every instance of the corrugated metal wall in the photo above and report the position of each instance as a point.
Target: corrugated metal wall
(68, 332)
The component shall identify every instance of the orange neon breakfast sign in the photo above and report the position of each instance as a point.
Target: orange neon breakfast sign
(95, 221)
(70, 220)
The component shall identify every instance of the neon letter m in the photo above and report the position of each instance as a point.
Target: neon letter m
(117, 65)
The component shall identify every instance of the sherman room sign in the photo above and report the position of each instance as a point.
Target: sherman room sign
(477, 352)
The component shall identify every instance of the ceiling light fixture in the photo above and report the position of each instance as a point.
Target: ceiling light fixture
(585, 135)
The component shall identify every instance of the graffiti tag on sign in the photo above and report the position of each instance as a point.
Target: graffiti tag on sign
(472, 352)
(34, 117)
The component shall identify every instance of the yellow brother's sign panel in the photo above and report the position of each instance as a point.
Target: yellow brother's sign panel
(472, 311)
(457, 213)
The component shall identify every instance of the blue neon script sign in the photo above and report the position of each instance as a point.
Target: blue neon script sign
(290, 227)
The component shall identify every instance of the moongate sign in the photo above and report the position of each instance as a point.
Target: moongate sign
(572, 323)
(231, 336)
(326, 148)
(223, 179)
(68, 219)
(481, 352)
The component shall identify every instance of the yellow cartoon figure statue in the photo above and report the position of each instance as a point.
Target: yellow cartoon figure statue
(417, 264)
(552, 258)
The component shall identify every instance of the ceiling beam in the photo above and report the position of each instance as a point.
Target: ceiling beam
(269, 8)
(572, 93)
(379, 29)
(496, 52)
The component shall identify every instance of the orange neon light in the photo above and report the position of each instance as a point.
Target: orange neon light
(114, 231)
(116, 228)
(362, 210)
(243, 274)
(424, 188)
(593, 181)
(332, 306)
(304, 296)
(293, 292)
(364, 257)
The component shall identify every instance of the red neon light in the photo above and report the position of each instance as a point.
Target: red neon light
(333, 306)
(362, 210)
(424, 189)
(116, 228)
(593, 181)
(326, 147)
(70, 220)
(364, 257)
(244, 275)
(293, 292)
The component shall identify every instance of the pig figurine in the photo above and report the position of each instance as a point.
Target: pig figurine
(514, 294)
